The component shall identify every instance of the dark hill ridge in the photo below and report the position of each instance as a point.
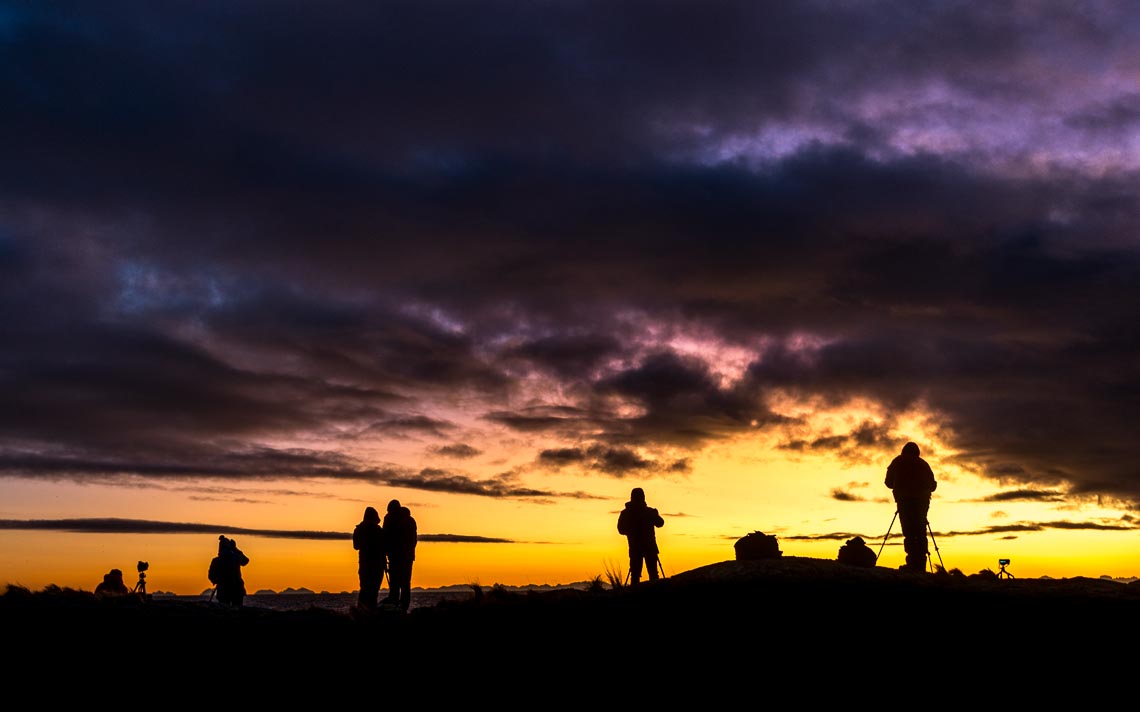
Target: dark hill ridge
(791, 569)
(733, 620)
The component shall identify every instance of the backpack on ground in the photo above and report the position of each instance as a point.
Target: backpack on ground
(857, 553)
(757, 545)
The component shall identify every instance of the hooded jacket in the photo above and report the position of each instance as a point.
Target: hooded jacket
(909, 476)
(368, 540)
(638, 522)
(400, 529)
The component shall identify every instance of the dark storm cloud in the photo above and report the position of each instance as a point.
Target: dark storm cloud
(570, 356)
(542, 419)
(849, 494)
(856, 445)
(615, 461)
(682, 403)
(1022, 495)
(224, 226)
(437, 480)
(458, 450)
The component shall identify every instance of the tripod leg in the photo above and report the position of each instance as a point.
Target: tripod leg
(935, 546)
(886, 535)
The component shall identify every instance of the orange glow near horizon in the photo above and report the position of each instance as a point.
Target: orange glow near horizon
(748, 484)
(729, 493)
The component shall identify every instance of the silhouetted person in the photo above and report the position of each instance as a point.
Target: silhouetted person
(225, 573)
(639, 522)
(368, 540)
(112, 584)
(912, 481)
(401, 536)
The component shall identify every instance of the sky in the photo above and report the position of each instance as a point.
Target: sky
(264, 264)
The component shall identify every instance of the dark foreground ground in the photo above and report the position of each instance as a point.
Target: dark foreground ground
(802, 626)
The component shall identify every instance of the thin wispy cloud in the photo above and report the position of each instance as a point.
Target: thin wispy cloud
(139, 526)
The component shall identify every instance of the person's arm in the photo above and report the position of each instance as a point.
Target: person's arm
(657, 520)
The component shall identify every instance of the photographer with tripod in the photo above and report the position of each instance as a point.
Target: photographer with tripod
(912, 481)
(638, 522)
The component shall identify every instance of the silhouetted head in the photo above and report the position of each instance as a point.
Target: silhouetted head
(114, 576)
(637, 495)
(371, 516)
(393, 506)
(910, 449)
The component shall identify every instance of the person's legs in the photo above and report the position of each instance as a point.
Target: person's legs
(399, 584)
(226, 595)
(389, 598)
(405, 601)
(651, 566)
(369, 589)
(635, 563)
(912, 519)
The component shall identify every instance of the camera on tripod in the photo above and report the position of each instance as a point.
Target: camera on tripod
(140, 587)
(1002, 573)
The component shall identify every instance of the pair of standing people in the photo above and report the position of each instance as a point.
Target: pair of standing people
(225, 573)
(388, 546)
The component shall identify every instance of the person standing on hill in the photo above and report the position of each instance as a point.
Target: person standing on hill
(401, 536)
(225, 573)
(639, 523)
(368, 540)
(912, 481)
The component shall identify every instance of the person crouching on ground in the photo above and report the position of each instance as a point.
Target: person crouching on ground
(112, 584)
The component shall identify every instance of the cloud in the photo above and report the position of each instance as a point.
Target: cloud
(610, 232)
(462, 451)
(142, 526)
(1008, 530)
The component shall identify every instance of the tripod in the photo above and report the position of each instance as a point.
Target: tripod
(140, 587)
(930, 564)
(1002, 573)
(660, 567)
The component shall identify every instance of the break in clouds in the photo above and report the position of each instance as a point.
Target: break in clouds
(243, 243)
